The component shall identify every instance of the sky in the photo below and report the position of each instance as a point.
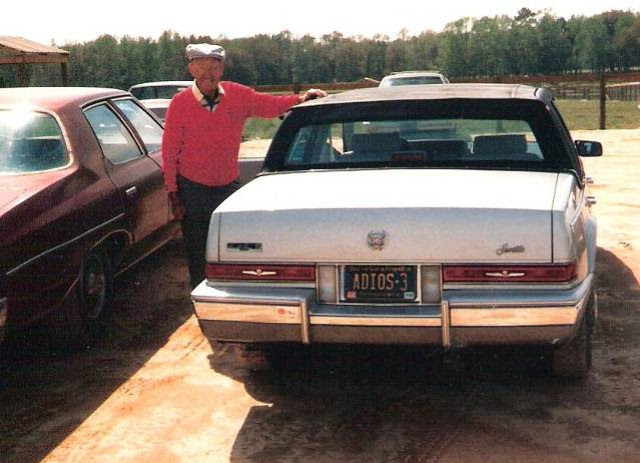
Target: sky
(76, 21)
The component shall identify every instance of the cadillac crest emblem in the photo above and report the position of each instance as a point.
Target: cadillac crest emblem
(377, 240)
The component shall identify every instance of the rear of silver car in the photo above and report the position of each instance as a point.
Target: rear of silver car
(518, 272)
(435, 215)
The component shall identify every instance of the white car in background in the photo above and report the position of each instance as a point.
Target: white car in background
(156, 96)
(413, 78)
(364, 228)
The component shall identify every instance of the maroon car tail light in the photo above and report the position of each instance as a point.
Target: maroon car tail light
(553, 273)
(260, 272)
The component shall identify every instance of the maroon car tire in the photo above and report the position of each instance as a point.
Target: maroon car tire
(81, 319)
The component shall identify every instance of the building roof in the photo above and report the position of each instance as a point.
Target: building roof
(15, 50)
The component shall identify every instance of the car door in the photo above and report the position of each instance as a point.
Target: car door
(137, 175)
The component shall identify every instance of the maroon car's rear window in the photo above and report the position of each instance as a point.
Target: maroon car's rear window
(30, 142)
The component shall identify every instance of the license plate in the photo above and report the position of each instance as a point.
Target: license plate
(379, 283)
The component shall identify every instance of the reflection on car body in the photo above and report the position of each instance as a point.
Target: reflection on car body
(368, 226)
(82, 199)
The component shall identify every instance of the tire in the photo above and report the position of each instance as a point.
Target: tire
(82, 317)
(573, 360)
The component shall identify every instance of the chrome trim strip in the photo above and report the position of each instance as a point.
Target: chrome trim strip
(446, 323)
(337, 283)
(261, 284)
(504, 274)
(259, 272)
(304, 322)
(249, 300)
(371, 321)
(55, 248)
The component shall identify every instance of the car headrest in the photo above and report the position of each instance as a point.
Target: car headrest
(507, 144)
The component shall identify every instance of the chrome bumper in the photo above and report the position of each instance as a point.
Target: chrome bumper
(3, 317)
(252, 314)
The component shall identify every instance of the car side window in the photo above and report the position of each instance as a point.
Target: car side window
(118, 145)
(148, 129)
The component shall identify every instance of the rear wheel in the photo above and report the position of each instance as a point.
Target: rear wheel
(573, 360)
(81, 319)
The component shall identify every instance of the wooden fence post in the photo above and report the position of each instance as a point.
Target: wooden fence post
(22, 75)
(603, 102)
(65, 74)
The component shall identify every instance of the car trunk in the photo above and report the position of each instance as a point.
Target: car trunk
(428, 216)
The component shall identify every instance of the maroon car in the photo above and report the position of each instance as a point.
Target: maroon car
(81, 199)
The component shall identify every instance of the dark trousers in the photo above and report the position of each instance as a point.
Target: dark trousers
(200, 201)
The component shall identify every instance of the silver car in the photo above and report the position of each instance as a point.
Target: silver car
(445, 215)
(156, 96)
(413, 78)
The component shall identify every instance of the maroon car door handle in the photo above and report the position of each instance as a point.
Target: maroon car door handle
(132, 192)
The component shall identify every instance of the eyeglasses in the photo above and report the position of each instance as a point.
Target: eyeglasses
(207, 64)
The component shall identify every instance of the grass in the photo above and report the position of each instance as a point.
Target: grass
(585, 114)
(578, 114)
(261, 128)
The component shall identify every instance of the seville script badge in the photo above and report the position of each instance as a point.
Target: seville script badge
(377, 240)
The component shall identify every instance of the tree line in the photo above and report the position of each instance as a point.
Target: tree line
(527, 44)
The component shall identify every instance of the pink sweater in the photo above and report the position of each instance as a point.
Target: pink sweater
(201, 145)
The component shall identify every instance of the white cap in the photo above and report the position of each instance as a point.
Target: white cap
(204, 50)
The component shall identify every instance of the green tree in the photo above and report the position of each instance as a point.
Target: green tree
(627, 44)
(423, 51)
(350, 61)
(593, 46)
(488, 46)
(454, 51)
(522, 54)
(554, 48)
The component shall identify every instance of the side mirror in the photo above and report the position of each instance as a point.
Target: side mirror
(589, 148)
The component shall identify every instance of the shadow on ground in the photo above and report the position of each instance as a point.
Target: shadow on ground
(407, 404)
(45, 396)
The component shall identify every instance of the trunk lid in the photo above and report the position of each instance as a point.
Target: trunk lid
(428, 216)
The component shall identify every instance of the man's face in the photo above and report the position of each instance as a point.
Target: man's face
(207, 72)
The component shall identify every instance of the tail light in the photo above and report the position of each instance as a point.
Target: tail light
(260, 272)
(558, 273)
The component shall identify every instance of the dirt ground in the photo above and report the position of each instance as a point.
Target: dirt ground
(154, 390)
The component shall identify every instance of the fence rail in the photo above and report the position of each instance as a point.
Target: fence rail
(583, 85)
(625, 92)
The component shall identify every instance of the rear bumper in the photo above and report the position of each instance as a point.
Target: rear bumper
(251, 314)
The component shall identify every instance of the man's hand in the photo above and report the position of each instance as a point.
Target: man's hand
(312, 94)
(177, 208)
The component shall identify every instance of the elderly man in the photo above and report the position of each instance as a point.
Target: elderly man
(203, 131)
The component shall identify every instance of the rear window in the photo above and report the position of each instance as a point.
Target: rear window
(422, 142)
(414, 80)
(30, 142)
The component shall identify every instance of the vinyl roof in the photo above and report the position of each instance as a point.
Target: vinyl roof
(435, 92)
